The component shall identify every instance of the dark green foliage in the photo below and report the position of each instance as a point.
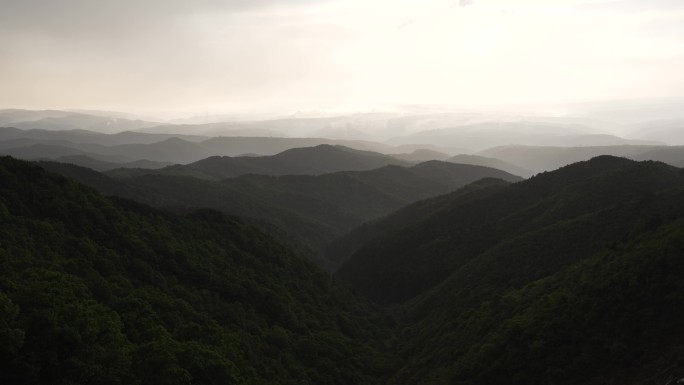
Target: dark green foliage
(613, 317)
(571, 277)
(110, 291)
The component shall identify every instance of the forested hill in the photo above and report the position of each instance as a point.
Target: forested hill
(102, 291)
(404, 262)
(570, 277)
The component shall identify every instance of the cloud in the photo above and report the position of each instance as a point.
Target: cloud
(631, 6)
(168, 54)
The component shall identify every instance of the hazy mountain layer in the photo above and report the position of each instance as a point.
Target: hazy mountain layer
(480, 136)
(321, 159)
(490, 162)
(546, 158)
(68, 120)
(173, 149)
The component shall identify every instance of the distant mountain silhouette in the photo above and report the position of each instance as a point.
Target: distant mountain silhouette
(84, 136)
(54, 151)
(540, 158)
(670, 131)
(316, 160)
(320, 159)
(421, 155)
(480, 136)
(102, 165)
(62, 120)
(490, 162)
(671, 155)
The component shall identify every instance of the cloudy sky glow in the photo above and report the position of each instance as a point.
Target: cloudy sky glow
(179, 57)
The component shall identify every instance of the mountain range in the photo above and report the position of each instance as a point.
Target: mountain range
(569, 277)
(314, 209)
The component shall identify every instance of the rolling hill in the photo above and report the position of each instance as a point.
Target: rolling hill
(402, 265)
(313, 209)
(316, 160)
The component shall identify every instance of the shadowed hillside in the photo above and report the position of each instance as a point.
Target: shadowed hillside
(570, 277)
(107, 291)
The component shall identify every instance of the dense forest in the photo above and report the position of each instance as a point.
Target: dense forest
(96, 290)
(570, 277)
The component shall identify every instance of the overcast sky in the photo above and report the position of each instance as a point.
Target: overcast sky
(179, 57)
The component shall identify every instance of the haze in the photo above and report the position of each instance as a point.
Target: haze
(179, 58)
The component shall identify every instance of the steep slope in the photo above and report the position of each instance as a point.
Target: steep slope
(613, 317)
(9, 116)
(94, 290)
(570, 277)
(345, 246)
(593, 307)
(405, 263)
